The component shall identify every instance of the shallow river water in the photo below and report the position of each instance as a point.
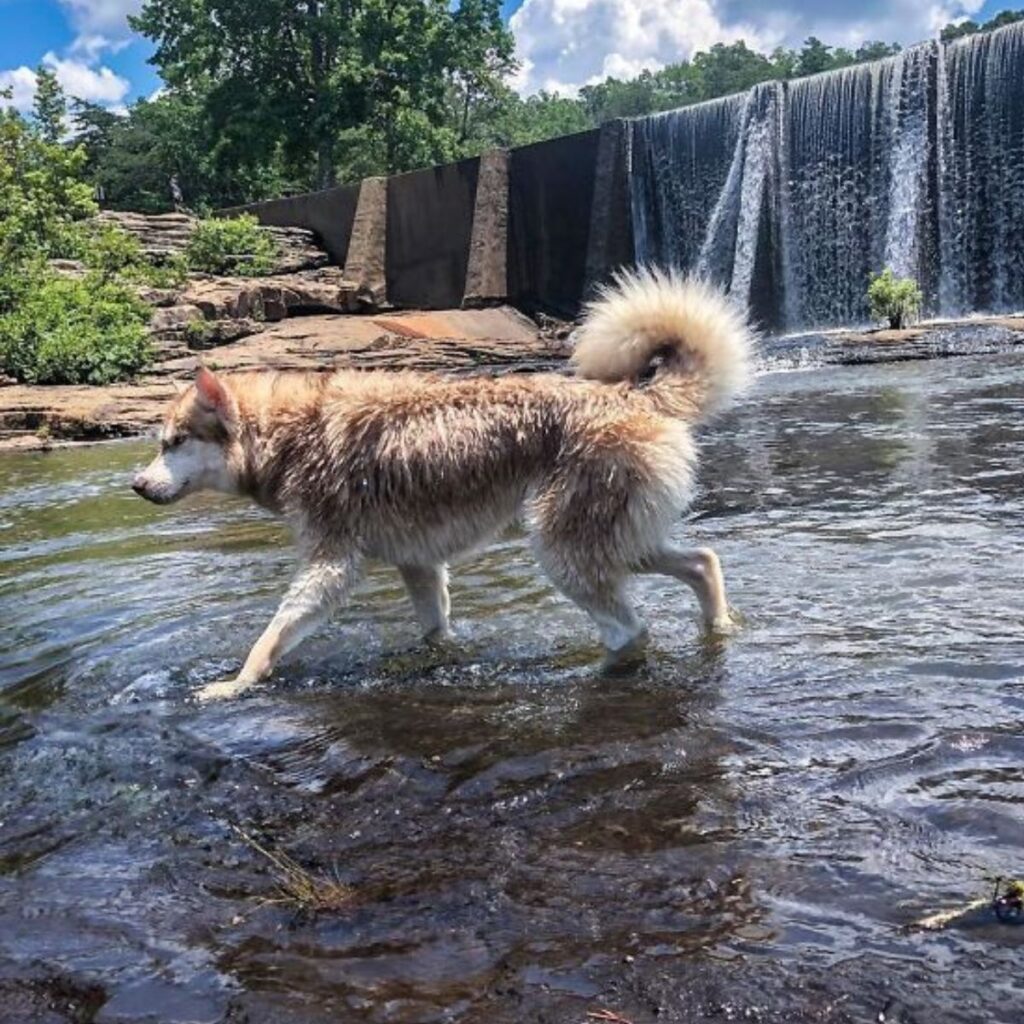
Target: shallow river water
(735, 830)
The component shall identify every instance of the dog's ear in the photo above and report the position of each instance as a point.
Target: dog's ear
(213, 395)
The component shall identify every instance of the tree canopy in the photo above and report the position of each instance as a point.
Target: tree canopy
(269, 97)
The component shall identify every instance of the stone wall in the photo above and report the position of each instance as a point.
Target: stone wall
(538, 226)
(330, 213)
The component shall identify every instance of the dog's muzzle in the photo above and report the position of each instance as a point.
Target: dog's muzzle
(142, 488)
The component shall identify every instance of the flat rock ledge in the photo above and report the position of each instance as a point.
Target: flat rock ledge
(166, 234)
(495, 340)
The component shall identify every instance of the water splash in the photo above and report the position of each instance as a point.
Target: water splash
(792, 194)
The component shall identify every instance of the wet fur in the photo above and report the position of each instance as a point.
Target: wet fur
(415, 469)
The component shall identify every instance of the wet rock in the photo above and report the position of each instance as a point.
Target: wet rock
(49, 999)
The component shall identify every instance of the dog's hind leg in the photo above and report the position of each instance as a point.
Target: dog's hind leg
(428, 591)
(702, 572)
(319, 587)
(618, 624)
(602, 595)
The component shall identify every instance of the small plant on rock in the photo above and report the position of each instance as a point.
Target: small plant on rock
(236, 246)
(896, 300)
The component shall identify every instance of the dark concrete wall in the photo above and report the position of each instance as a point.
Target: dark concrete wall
(543, 223)
(551, 189)
(329, 213)
(429, 225)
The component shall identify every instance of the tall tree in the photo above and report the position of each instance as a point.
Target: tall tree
(814, 56)
(49, 107)
(94, 128)
(298, 77)
(727, 69)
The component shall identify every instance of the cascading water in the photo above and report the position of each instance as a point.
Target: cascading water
(793, 193)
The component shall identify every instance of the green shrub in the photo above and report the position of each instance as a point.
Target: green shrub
(238, 246)
(896, 300)
(115, 254)
(42, 195)
(111, 251)
(198, 333)
(74, 331)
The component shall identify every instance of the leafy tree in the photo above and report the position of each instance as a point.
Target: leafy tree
(49, 107)
(614, 98)
(93, 127)
(875, 51)
(542, 116)
(814, 57)
(42, 197)
(894, 299)
(74, 331)
(725, 69)
(1003, 18)
(290, 80)
(967, 27)
(481, 49)
(955, 30)
(55, 329)
(230, 246)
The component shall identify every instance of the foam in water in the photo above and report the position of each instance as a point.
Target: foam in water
(793, 193)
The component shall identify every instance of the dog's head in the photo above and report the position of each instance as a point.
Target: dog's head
(199, 447)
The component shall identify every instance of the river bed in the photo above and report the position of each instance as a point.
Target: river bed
(738, 829)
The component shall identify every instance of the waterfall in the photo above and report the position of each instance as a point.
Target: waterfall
(792, 194)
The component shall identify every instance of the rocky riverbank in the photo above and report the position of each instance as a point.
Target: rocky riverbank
(34, 417)
(304, 315)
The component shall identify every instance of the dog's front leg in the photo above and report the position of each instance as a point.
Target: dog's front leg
(318, 587)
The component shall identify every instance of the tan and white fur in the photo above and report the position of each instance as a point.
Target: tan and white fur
(415, 469)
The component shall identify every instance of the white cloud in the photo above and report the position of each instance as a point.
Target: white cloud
(22, 83)
(100, 24)
(98, 85)
(78, 79)
(564, 44)
(91, 47)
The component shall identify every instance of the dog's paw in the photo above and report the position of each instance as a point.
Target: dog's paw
(223, 689)
(728, 624)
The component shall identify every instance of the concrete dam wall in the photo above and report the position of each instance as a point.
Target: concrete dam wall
(536, 226)
(788, 195)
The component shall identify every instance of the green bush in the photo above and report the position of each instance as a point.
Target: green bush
(896, 300)
(42, 196)
(111, 251)
(115, 254)
(74, 331)
(238, 246)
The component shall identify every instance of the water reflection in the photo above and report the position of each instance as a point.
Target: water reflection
(526, 833)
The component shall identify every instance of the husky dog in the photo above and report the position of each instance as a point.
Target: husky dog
(413, 469)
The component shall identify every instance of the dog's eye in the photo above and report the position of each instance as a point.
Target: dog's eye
(174, 442)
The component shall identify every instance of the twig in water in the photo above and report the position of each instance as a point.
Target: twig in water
(296, 885)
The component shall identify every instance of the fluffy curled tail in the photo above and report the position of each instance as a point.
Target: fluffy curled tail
(704, 340)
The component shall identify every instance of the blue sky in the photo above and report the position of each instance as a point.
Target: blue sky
(562, 44)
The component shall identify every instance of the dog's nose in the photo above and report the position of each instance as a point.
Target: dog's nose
(139, 485)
